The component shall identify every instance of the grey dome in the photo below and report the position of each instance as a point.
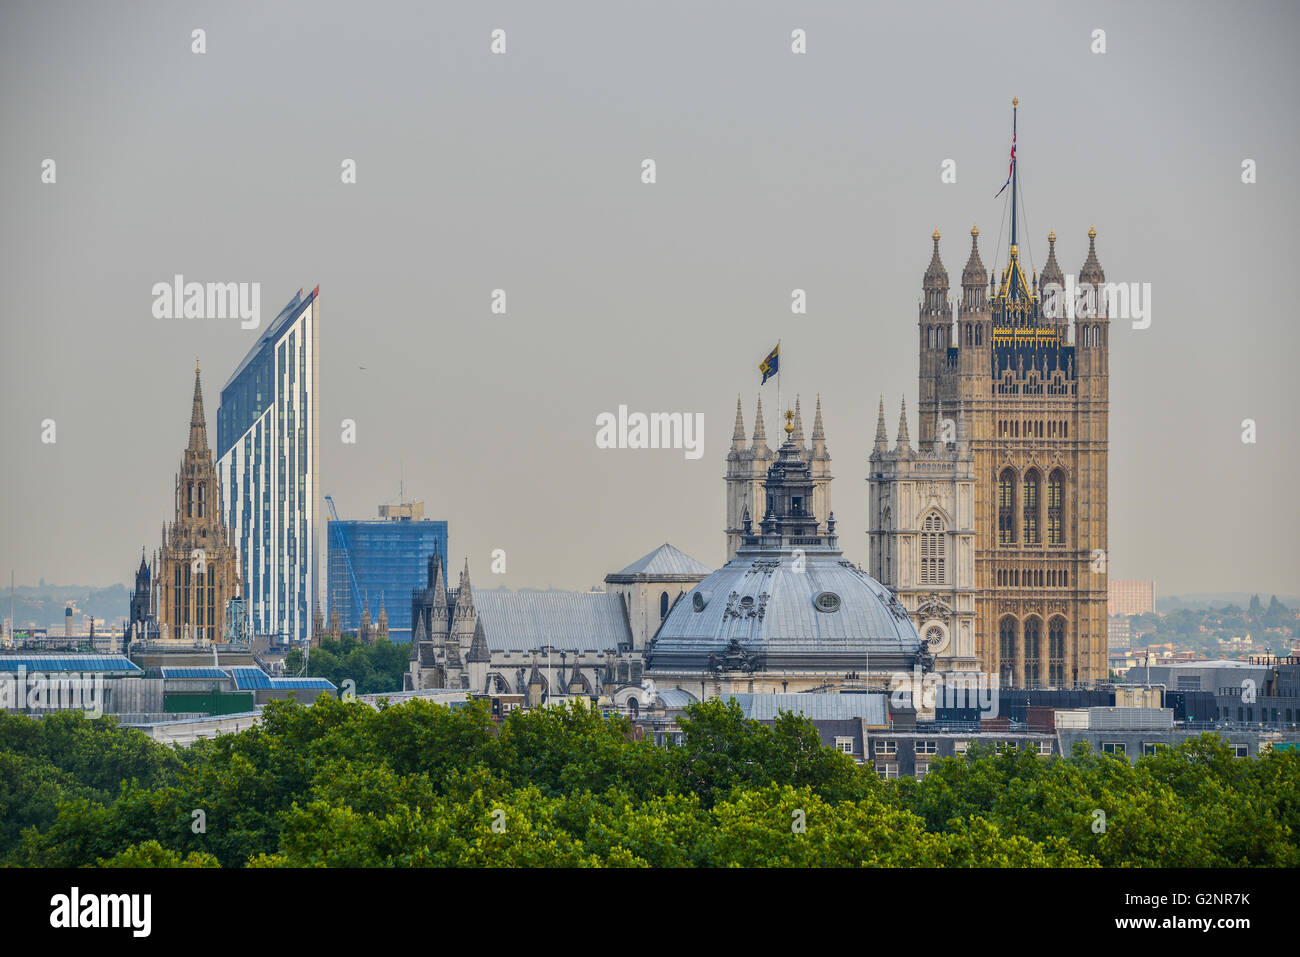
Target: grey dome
(782, 622)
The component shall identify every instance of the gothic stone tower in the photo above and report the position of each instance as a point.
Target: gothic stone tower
(141, 625)
(196, 564)
(747, 471)
(1037, 407)
(921, 534)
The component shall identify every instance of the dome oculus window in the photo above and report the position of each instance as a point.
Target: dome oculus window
(747, 602)
(698, 602)
(827, 601)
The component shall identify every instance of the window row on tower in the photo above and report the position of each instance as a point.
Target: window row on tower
(1024, 649)
(1033, 428)
(1032, 577)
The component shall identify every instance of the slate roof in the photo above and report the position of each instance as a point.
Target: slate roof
(563, 620)
(815, 707)
(664, 561)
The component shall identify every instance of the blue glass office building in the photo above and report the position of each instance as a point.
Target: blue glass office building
(268, 455)
(389, 559)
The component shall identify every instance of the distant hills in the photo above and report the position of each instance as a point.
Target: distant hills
(1195, 600)
(42, 605)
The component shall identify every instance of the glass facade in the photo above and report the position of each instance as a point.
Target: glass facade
(267, 453)
(390, 560)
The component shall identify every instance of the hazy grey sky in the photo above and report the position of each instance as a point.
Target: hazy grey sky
(522, 172)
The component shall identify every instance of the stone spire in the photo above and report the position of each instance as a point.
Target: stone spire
(1092, 271)
(383, 616)
(436, 580)
(466, 590)
(478, 648)
(198, 422)
(1052, 271)
(904, 441)
(760, 436)
(420, 635)
(798, 424)
(882, 436)
(936, 277)
(818, 433)
(738, 434)
(974, 276)
(334, 626)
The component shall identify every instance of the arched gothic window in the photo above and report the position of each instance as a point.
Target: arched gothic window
(1007, 651)
(1033, 637)
(1031, 507)
(1056, 508)
(1056, 652)
(663, 606)
(1007, 508)
(932, 550)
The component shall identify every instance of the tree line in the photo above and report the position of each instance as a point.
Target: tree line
(342, 784)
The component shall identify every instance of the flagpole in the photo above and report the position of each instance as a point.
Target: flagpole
(1015, 167)
(778, 382)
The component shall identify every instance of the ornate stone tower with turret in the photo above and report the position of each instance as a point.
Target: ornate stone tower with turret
(746, 470)
(921, 528)
(1033, 391)
(196, 569)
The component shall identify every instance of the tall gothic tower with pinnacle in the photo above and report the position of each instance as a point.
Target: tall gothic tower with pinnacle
(196, 567)
(1035, 402)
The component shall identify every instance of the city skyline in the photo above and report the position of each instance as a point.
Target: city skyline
(779, 174)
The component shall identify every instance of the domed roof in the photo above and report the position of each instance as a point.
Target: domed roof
(827, 611)
(788, 602)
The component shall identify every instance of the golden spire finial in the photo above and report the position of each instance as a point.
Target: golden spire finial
(1015, 101)
(974, 230)
(1092, 232)
(1051, 236)
(789, 422)
(935, 235)
(196, 365)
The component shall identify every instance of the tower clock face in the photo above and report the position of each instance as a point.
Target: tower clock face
(935, 636)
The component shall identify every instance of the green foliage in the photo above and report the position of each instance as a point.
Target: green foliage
(153, 854)
(343, 784)
(67, 757)
(375, 668)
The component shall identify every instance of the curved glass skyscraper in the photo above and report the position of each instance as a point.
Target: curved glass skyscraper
(268, 457)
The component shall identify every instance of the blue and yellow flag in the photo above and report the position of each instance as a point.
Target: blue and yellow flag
(771, 365)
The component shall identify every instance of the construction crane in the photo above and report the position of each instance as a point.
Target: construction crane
(342, 543)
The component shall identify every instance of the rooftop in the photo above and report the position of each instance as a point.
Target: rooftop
(664, 562)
